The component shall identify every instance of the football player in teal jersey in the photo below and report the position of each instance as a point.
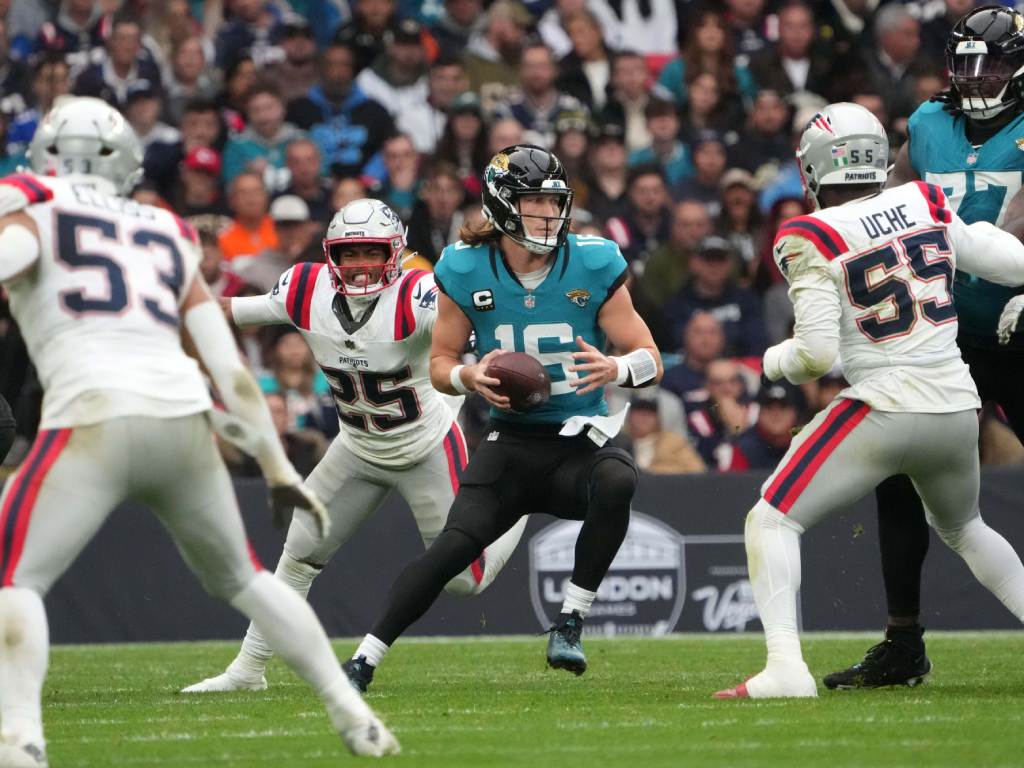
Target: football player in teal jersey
(520, 282)
(968, 140)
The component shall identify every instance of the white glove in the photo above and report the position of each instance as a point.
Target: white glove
(1008, 320)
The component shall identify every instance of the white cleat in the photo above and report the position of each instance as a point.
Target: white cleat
(371, 739)
(25, 756)
(225, 683)
(775, 683)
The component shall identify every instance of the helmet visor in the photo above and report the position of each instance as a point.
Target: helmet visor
(982, 75)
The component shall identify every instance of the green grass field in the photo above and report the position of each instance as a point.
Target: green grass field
(493, 703)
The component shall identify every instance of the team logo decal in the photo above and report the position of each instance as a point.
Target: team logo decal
(349, 344)
(1020, 143)
(839, 157)
(578, 296)
(500, 162)
(973, 157)
(529, 301)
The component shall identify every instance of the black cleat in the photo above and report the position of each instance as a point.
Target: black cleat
(900, 659)
(359, 672)
(565, 645)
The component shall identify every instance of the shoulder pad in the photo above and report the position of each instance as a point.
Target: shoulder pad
(20, 190)
(794, 253)
(459, 257)
(596, 253)
(811, 228)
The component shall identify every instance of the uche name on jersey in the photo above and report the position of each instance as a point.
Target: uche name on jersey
(887, 222)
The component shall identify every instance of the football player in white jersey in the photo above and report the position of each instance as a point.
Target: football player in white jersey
(369, 326)
(870, 276)
(103, 289)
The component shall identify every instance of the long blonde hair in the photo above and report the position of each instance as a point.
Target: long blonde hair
(479, 231)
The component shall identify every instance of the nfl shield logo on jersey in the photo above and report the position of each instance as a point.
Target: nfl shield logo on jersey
(529, 301)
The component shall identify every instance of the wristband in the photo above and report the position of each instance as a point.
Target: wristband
(456, 380)
(637, 369)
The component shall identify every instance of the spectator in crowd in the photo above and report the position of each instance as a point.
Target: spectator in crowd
(252, 230)
(538, 102)
(347, 189)
(889, 63)
(705, 110)
(397, 79)
(492, 53)
(712, 288)
(401, 188)
(222, 283)
(724, 414)
(628, 97)
(166, 25)
(763, 445)
(261, 146)
(465, 142)
(297, 70)
(585, 71)
(295, 375)
(123, 67)
(200, 192)
(821, 392)
(8, 163)
(504, 132)
(793, 63)
(647, 26)
(740, 220)
(666, 149)
(14, 74)
(248, 33)
(648, 221)
(708, 167)
(345, 123)
(747, 23)
(51, 78)
(189, 79)
(765, 139)
(553, 26)
(201, 126)
(461, 19)
(703, 343)
(425, 122)
(847, 25)
(239, 79)
(608, 179)
(656, 450)
(935, 31)
(142, 111)
(667, 268)
(76, 29)
(707, 48)
(297, 242)
(572, 144)
(304, 447)
(303, 161)
(364, 34)
(436, 218)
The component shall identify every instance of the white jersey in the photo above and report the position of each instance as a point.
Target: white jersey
(378, 367)
(99, 308)
(873, 278)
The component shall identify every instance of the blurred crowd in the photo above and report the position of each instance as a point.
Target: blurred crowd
(676, 122)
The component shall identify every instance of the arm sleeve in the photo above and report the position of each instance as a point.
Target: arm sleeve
(815, 343)
(268, 309)
(984, 250)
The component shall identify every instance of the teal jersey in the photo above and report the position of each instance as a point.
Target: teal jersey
(978, 183)
(543, 322)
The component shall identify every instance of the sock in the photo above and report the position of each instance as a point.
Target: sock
(909, 635)
(992, 561)
(24, 654)
(253, 656)
(291, 629)
(498, 553)
(773, 557)
(373, 649)
(578, 599)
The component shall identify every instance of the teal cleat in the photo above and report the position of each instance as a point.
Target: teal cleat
(565, 644)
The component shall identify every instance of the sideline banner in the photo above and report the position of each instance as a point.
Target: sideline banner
(682, 568)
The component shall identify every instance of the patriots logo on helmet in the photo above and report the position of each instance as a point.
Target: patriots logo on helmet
(824, 122)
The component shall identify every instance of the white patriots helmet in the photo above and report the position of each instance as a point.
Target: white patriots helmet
(364, 222)
(843, 144)
(85, 136)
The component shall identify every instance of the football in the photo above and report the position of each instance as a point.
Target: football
(523, 380)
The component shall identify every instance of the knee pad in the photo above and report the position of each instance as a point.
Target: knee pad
(613, 473)
(295, 573)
